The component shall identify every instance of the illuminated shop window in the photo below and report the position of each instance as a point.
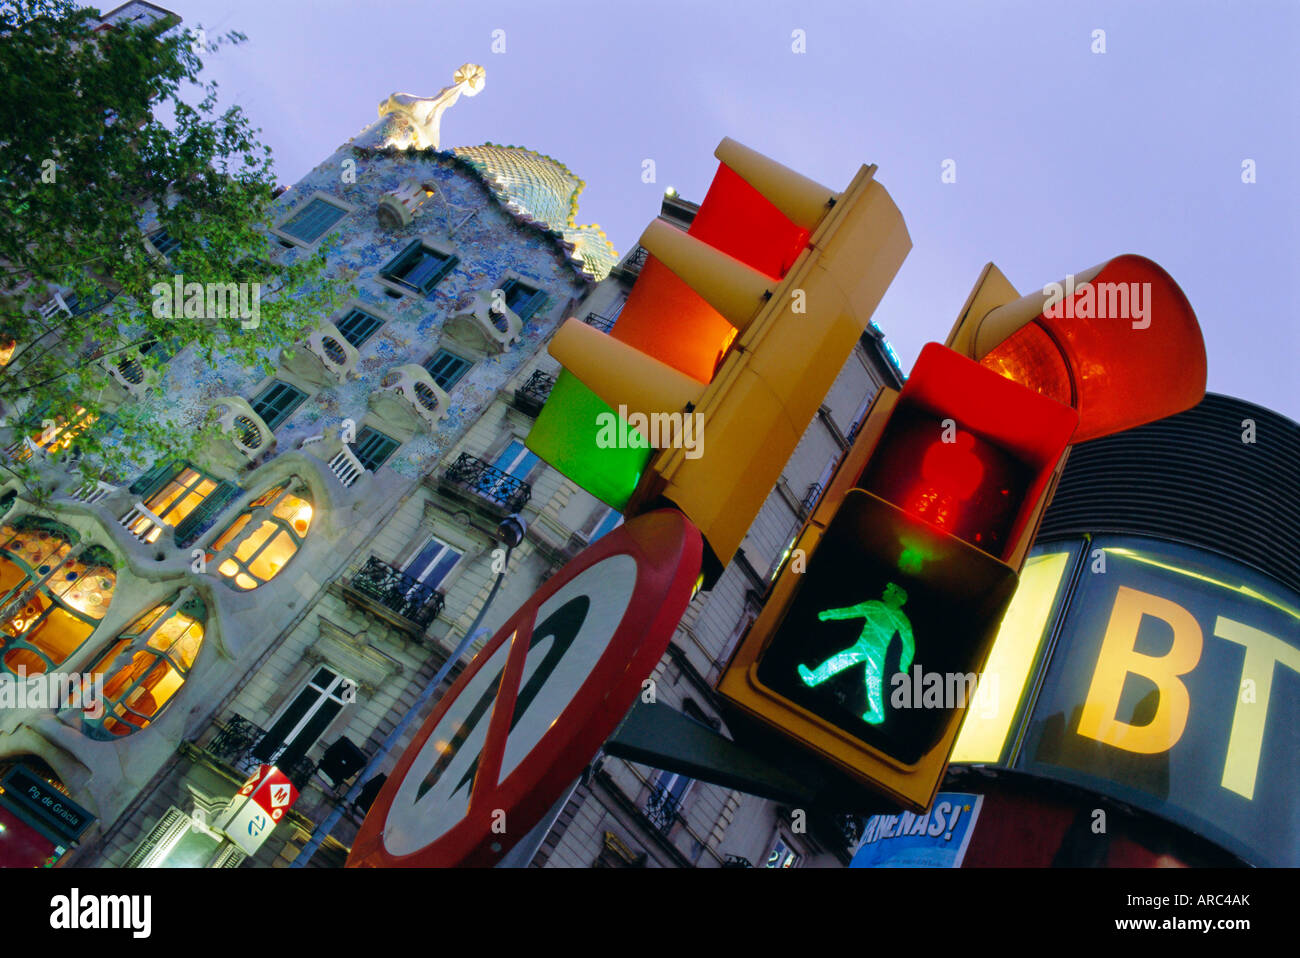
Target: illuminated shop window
(146, 665)
(263, 538)
(52, 594)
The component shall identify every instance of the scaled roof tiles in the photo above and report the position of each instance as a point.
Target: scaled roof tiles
(540, 189)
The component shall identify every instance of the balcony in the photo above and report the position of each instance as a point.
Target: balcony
(809, 501)
(408, 399)
(394, 596)
(499, 493)
(662, 808)
(632, 263)
(600, 321)
(130, 374)
(346, 467)
(233, 747)
(325, 357)
(478, 322)
(246, 437)
(531, 396)
(398, 206)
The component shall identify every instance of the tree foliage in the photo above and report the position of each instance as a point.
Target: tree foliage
(105, 136)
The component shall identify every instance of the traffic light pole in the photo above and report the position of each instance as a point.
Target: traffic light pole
(760, 764)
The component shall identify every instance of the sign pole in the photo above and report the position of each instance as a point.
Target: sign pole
(324, 828)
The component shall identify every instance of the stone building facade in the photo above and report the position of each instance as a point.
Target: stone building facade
(286, 598)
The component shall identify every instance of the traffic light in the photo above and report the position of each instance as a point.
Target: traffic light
(870, 654)
(1118, 342)
(730, 339)
(868, 650)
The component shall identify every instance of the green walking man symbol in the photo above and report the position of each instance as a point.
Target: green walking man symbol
(883, 617)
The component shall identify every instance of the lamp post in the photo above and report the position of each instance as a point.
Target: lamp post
(510, 532)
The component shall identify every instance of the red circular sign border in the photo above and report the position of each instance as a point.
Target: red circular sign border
(668, 551)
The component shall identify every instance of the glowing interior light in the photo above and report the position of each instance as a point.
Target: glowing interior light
(951, 473)
(881, 619)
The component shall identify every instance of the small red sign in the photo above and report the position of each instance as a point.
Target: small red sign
(272, 791)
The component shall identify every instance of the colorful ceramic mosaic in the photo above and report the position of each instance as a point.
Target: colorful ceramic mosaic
(493, 231)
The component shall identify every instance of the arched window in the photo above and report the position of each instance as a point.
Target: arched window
(146, 666)
(264, 537)
(53, 593)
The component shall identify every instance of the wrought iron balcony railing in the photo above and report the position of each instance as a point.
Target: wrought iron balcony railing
(531, 396)
(600, 321)
(662, 808)
(736, 861)
(234, 746)
(398, 592)
(234, 743)
(488, 483)
(632, 264)
(810, 498)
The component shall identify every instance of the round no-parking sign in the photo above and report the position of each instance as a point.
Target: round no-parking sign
(537, 702)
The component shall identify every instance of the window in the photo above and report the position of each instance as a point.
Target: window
(782, 855)
(278, 519)
(431, 564)
(665, 801)
(162, 241)
(517, 461)
(313, 220)
(55, 436)
(53, 594)
(306, 718)
(372, 448)
(180, 496)
(521, 299)
(358, 326)
(418, 268)
(277, 402)
(447, 368)
(146, 666)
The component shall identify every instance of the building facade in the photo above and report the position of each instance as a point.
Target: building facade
(291, 583)
(285, 597)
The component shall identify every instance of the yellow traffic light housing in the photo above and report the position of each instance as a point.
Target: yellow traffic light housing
(919, 538)
(742, 322)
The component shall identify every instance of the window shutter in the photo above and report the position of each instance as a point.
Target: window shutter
(396, 264)
(312, 221)
(197, 522)
(440, 273)
(358, 326)
(277, 403)
(530, 305)
(155, 478)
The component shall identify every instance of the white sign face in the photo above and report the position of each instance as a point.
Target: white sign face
(573, 630)
(249, 826)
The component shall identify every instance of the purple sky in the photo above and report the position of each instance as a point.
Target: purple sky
(1064, 157)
